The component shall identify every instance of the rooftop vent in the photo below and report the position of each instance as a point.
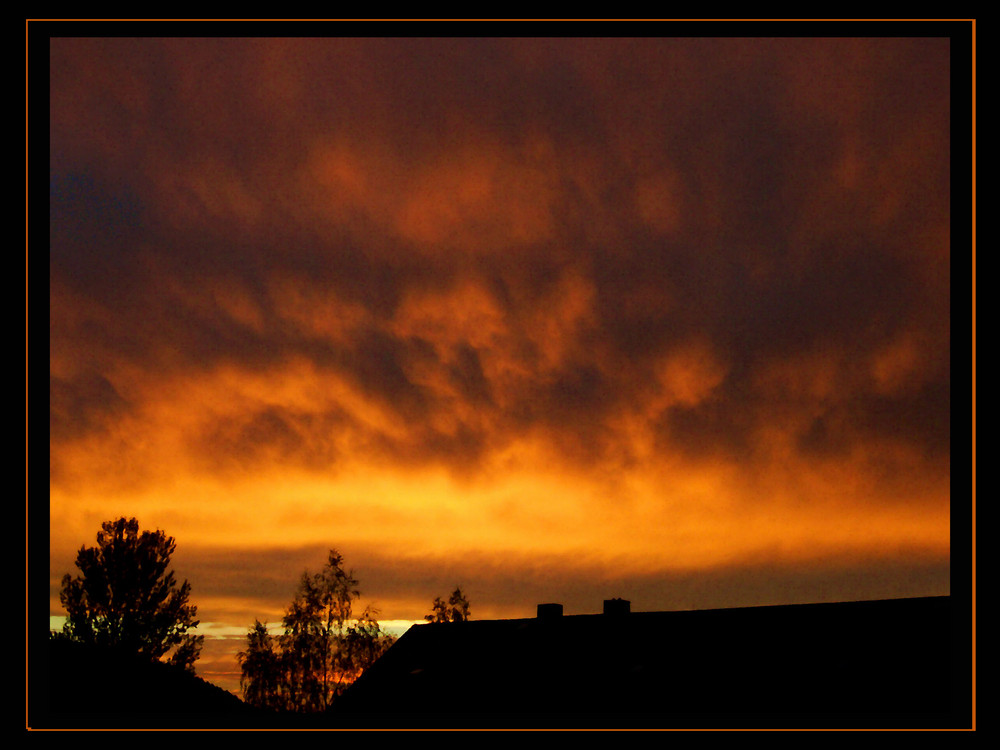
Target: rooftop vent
(616, 606)
(549, 610)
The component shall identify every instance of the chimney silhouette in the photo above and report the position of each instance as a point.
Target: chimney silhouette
(616, 606)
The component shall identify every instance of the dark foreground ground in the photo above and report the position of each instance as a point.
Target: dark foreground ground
(890, 664)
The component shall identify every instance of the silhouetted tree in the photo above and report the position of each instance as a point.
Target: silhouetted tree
(455, 610)
(262, 670)
(321, 651)
(363, 643)
(126, 597)
(439, 611)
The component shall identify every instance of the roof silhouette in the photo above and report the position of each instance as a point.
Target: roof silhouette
(807, 662)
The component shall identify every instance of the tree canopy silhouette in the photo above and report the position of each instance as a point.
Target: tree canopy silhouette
(455, 610)
(323, 648)
(127, 598)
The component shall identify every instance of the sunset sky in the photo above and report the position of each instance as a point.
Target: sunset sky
(552, 319)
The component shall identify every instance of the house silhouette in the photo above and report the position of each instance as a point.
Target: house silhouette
(806, 663)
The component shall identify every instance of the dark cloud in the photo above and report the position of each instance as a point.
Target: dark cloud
(376, 364)
(272, 437)
(468, 376)
(769, 259)
(512, 587)
(716, 428)
(83, 404)
(922, 419)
